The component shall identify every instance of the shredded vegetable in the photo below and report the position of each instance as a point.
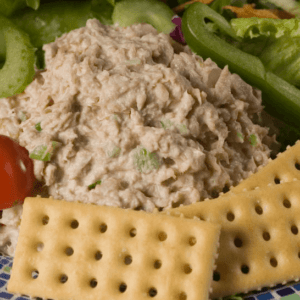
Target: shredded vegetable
(92, 186)
(253, 140)
(145, 161)
(43, 152)
(38, 127)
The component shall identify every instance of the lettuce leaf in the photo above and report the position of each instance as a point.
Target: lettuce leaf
(256, 27)
(276, 42)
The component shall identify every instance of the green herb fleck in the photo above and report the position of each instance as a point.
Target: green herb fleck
(7, 269)
(240, 136)
(38, 127)
(115, 152)
(166, 124)
(116, 117)
(92, 186)
(253, 140)
(43, 153)
(133, 62)
(182, 128)
(146, 161)
(22, 116)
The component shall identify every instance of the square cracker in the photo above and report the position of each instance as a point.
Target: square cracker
(127, 254)
(260, 237)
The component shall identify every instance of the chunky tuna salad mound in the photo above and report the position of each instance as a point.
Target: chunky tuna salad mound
(127, 117)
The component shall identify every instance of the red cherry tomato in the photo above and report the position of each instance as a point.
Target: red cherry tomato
(16, 173)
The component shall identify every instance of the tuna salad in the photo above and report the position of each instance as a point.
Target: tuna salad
(128, 117)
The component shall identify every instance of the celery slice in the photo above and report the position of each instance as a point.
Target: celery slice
(18, 70)
(154, 12)
(43, 152)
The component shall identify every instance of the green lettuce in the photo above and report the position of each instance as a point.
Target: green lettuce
(276, 42)
(8, 7)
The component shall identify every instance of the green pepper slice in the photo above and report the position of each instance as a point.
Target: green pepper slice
(205, 43)
(281, 99)
(18, 69)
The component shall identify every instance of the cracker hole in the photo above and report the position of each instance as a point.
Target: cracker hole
(216, 276)
(35, 274)
(45, 220)
(277, 180)
(40, 247)
(258, 209)
(226, 189)
(152, 292)
(103, 227)
(230, 216)
(122, 287)
(98, 255)
(299, 254)
(294, 229)
(214, 194)
(287, 203)
(162, 236)
(69, 251)
(245, 269)
(132, 232)
(187, 269)
(63, 278)
(93, 283)
(128, 260)
(157, 264)
(273, 262)
(238, 242)
(192, 241)
(74, 224)
(266, 236)
(182, 296)
(297, 166)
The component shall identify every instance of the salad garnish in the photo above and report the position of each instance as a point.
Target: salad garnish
(92, 186)
(145, 161)
(280, 98)
(18, 69)
(43, 152)
(38, 127)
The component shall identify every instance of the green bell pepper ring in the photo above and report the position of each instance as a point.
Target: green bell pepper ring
(18, 69)
(281, 99)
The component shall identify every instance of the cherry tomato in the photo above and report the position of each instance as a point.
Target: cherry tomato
(16, 173)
